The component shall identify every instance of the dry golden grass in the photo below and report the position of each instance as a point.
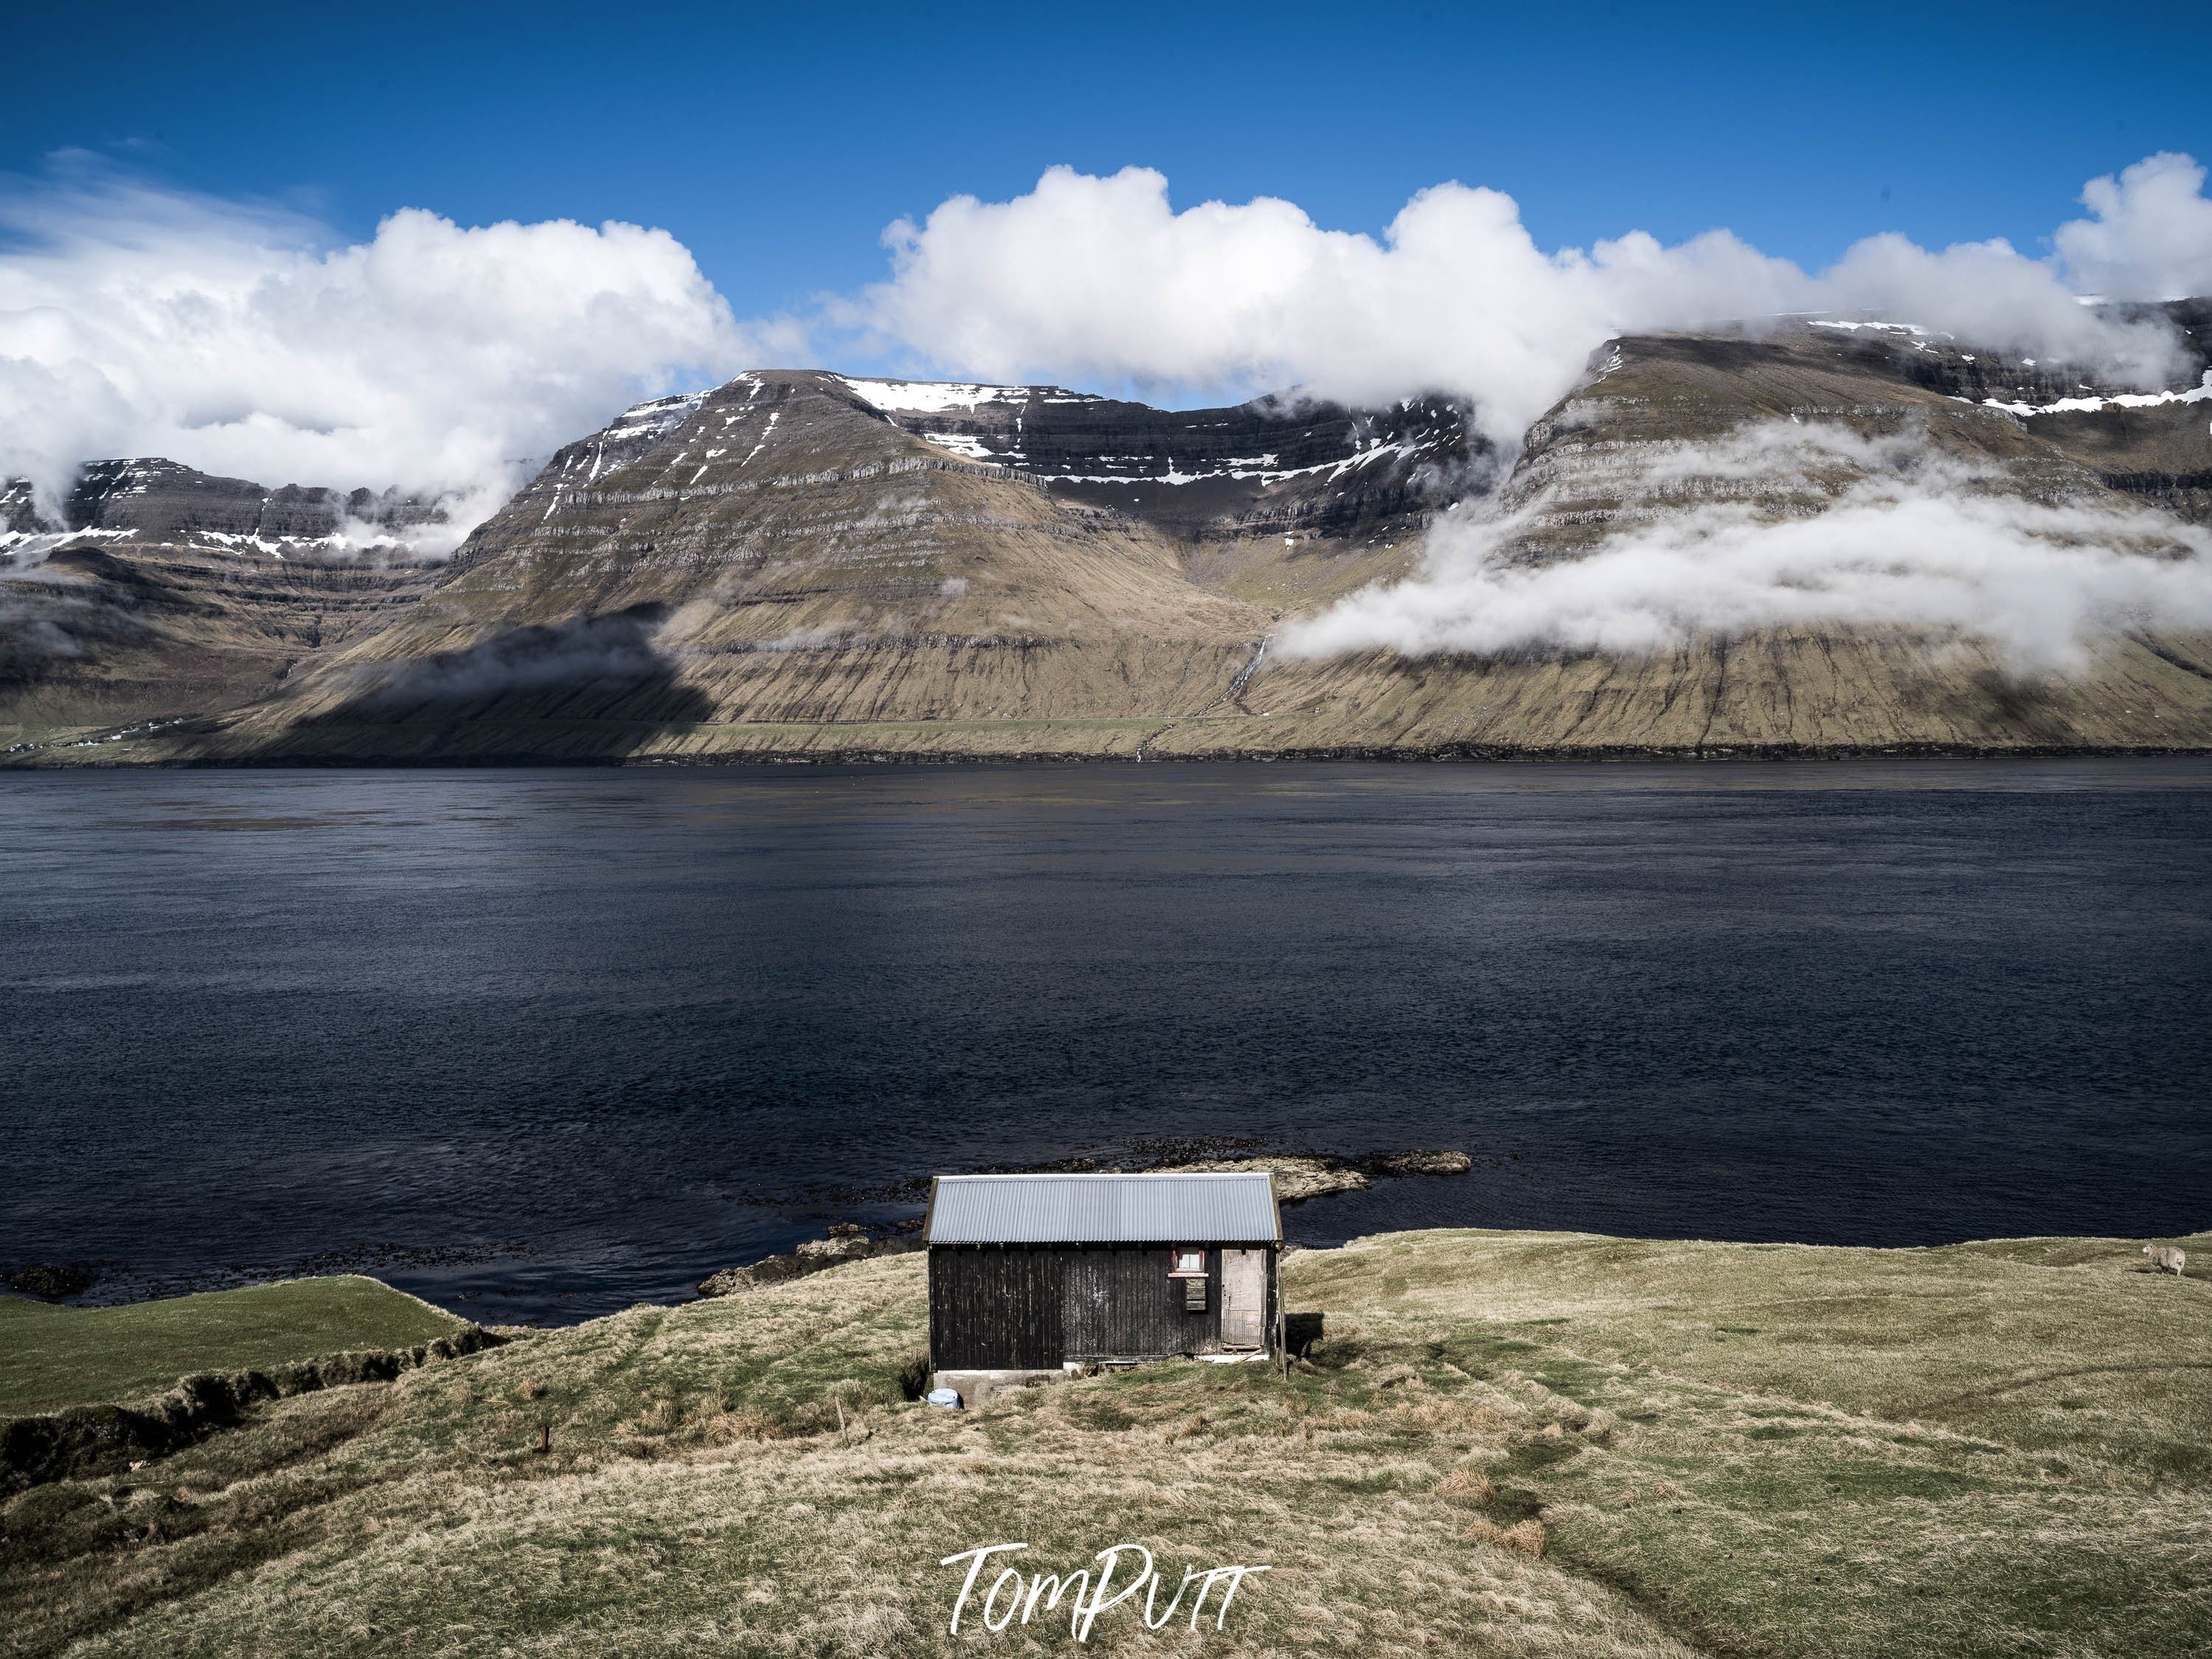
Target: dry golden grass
(1504, 1443)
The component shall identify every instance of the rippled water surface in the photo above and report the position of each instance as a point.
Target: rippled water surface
(559, 1041)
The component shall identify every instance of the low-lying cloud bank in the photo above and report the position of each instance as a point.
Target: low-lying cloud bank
(1087, 279)
(247, 342)
(1885, 532)
(613, 649)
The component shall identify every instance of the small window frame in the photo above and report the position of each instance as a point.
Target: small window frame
(1176, 1257)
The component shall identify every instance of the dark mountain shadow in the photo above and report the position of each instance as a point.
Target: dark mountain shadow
(55, 630)
(589, 689)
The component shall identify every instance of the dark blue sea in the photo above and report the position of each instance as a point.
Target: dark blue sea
(561, 1041)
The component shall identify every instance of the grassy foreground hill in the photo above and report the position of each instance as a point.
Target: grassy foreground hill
(51, 1357)
(1516, 1444)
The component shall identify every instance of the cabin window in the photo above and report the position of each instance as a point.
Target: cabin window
(1189, 1267)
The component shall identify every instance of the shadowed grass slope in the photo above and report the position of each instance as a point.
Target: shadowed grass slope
(1500, 1444)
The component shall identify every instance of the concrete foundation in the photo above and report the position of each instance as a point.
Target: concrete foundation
(977, 1387)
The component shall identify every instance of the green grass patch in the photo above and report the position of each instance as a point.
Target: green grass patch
(53, 1357)
(1872, 1482)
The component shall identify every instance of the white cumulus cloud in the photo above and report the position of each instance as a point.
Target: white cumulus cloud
(2151, 235)
(250, 342)
(1088, 278)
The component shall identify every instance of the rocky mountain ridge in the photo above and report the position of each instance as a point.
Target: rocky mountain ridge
(160, 501)
(164, 593)
(799, 564)
(1270, 466)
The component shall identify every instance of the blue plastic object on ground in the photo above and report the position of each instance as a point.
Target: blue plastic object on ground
(945, 1397)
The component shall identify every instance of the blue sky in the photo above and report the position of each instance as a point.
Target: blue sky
(778, 143)
(393, 244)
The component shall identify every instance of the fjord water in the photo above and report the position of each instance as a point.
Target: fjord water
(539, 1044)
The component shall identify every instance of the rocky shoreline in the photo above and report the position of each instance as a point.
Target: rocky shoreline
(78, 755)
(1299, 1177)
(847, 1242)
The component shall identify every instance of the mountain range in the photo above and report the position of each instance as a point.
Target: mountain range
(802, 565)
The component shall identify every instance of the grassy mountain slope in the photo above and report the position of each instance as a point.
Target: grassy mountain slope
(1508, 1443)
(1591, 466)
(103, 636)
(783, 560)
(786, 568)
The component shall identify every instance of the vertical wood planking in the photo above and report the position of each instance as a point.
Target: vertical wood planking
(1017, 1307)
(994, 1308)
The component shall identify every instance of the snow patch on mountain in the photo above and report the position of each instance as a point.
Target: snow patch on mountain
(654, 418)
(2197, 394)
(930, 397)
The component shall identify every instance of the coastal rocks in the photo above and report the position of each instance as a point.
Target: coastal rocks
(813, 1255)
(49, 1282)
(1296, 1178)
(770, 1270)
(1299, 1177)
(1417, 1164)
(1315, 1175)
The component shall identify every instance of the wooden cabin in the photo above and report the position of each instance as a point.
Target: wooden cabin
(1039, 1272)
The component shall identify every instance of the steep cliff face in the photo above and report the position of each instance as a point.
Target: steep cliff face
(115, 632)
(19, 509)
(1207, 474)
(1593, 463)
(1622, 451)
(1285, 504)
(168, 594)
(775, 565)
(802, 564)
(160, 501)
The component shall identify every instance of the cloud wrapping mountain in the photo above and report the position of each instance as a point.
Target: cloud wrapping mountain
(241, 341)
(1089, 278)
(1885, 531)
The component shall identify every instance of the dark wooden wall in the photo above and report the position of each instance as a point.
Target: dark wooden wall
(1120, 1304)
(993, 1306)
(1034, 1306)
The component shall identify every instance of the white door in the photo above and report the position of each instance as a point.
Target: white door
(1243, 1298)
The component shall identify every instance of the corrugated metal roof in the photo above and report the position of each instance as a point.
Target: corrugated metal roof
(1104, 1209)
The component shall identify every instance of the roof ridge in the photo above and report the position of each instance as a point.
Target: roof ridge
(1114, 1175)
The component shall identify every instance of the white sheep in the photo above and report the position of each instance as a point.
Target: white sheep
(2165, 1258)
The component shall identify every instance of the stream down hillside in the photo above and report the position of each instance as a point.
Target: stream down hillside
(801, 565)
